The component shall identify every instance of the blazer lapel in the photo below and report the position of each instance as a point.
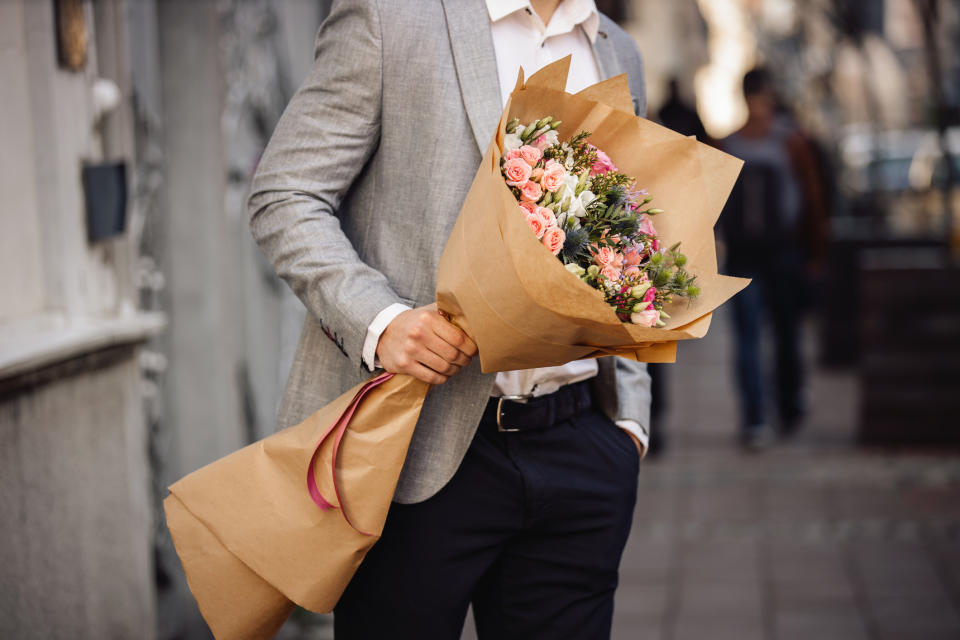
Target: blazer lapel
(610, 65)
(468, 26)
(606, 56)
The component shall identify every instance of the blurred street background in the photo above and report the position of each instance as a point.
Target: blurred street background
(142, 334)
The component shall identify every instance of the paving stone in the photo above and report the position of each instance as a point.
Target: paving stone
(647, 601)
(632, 627)
(718, 627)
(702, 600)
(914, 614)
(821, 624)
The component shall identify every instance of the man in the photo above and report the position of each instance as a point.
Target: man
(774, 227)
(526, 514)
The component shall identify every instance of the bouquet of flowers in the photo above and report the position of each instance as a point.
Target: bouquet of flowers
(593, 218)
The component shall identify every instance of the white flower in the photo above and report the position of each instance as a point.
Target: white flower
(575, 269)
(578, 204)
(512, 141)
(550, 137)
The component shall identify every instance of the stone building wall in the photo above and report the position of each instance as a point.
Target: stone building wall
(75, 530)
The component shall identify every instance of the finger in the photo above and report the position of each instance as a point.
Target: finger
(440, 347)
(432, 361)
(446, 351)
(451, 334)
(425, 374)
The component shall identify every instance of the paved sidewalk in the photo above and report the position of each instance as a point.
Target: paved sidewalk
(813, 539)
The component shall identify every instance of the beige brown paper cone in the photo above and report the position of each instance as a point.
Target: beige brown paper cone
(251, 540)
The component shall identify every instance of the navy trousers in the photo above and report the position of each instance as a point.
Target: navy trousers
(530, 530)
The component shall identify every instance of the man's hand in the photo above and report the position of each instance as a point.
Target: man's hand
(421, 343)
(640, 448)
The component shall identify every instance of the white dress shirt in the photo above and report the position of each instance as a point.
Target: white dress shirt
(521, 39)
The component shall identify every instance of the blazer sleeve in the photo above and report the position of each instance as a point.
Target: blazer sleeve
(633, 392)
(320, 145)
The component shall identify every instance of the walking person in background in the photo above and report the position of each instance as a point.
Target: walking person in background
(774, 231)
(518, 489)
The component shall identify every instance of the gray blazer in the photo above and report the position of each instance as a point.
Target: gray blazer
(359, 188)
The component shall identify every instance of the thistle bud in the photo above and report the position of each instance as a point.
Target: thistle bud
(656, 258)
(693, 291)
(539, 132)
(681, 260)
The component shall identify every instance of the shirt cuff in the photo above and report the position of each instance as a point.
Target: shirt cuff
(635, 429)
(375, 330)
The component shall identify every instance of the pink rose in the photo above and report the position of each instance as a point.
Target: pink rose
(548, 217)
(517, 172)
(530, 190)
(602, 164)
(530, 154)
(553, 239)
(608, 256)
(537, 224)
(528, 207)
(646, 318)
(512, 154)
(553, 175)
(610, 272)
(646, 226)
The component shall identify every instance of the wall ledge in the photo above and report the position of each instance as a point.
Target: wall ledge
(36, 342)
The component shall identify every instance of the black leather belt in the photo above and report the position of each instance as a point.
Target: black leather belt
(521, 413)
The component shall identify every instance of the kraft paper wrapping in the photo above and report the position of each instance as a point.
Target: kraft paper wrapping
(253, 543)
(517, 301)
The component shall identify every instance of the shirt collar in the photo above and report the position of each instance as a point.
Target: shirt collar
(572, 12)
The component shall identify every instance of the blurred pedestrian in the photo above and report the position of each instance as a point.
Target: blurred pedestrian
(518, 490)
(681, 116)
(774, 233)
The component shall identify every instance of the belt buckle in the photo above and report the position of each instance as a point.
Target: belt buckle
(521, 399)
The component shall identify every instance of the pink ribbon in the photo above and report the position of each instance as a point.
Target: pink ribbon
(339, 427)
